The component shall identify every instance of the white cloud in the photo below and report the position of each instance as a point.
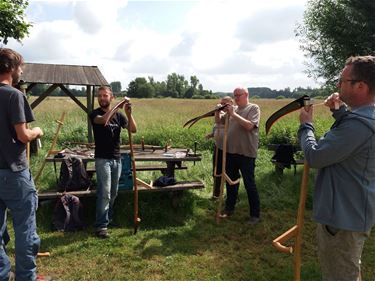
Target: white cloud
(224, 43)
(92, 15)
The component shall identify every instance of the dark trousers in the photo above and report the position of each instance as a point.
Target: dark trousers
(217, 180)
(246, 165)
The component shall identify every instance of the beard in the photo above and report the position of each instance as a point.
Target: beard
(104, 104)
(15, 77)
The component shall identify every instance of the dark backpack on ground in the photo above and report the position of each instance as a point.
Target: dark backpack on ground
(73, 175)
(67, 213)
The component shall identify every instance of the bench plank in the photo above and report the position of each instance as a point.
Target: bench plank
(182, 185)
(146, 168)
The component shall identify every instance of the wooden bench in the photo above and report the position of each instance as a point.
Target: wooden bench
(179, 186)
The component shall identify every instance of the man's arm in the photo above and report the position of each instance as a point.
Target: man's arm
(245, 123)
(25, 134)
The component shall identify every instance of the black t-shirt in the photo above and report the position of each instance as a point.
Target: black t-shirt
(107, 138)
(14, 109)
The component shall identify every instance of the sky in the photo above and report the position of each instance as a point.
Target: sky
(225, 43)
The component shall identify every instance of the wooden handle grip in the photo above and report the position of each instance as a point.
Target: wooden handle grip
(277, 243)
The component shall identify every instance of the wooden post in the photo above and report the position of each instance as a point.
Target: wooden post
(90, 106)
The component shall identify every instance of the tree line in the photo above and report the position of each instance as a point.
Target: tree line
(141, 88)
(175, 86)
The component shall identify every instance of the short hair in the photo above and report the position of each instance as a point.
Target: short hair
(242, 90)
(227, 98)
(9, 60)
(105, 88)
(363, 68)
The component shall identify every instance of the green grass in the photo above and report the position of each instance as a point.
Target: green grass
(183, 243)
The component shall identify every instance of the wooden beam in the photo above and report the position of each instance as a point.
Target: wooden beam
(30, 87)
(90, 102)
(68, 93)
(43, 96)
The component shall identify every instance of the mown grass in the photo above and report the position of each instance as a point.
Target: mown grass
(183, 243)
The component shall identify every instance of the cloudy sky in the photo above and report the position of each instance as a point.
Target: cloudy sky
(225, 43)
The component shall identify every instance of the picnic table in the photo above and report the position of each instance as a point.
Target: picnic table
(149, 159)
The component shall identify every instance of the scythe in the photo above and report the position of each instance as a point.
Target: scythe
(296, 230)
(192, 121)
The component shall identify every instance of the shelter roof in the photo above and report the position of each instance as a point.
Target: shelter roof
(62, 74)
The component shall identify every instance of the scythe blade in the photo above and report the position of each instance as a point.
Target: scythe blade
(208, 114)
(115, 109)
(290, 107)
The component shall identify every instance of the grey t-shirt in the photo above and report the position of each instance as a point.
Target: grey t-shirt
(14, 109)
(240, 140)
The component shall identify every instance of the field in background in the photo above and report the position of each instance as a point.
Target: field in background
(183, 243)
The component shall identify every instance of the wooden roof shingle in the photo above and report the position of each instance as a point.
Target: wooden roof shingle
(62, 74)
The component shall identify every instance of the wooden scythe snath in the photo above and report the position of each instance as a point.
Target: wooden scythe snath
(51, 151)
(224, 176)
(296, 230)
(137, 219)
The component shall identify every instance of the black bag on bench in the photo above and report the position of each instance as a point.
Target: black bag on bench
(73, 175)
(284, 156)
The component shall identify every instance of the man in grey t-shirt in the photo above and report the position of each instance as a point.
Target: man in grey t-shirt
(242, 149)
(17, 190)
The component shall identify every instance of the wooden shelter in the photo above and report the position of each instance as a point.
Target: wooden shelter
(58, 75)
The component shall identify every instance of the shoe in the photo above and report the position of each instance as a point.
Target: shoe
(11, 276)
(225, 215)
(253, 221)
(40, 277)
(103, 234)
(113, 225)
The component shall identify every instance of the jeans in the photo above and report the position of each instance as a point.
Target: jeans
(18, 194)
(234, 164)
(108, 173)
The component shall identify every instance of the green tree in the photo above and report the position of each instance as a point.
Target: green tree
(176, 85)
(333, 30)
(194, 81)
(133, 87)
(146, 91)
(116, 86)
(13, 22)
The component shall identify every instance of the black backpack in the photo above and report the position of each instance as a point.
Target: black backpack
(73, 175)
(67, 213)
(284, 156)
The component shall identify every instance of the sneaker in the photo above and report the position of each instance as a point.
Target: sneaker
(225, 214)
(40, 277)
(112, 224)
(11, 276)
(102, 233)
(253, 221)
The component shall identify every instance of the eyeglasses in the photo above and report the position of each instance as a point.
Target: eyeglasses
(341, 80)
(238, 96)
